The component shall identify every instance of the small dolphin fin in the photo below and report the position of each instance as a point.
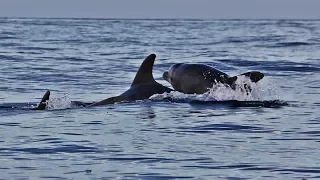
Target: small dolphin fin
(111, 100)
(254, 76)
(42, 105)
(144, 74)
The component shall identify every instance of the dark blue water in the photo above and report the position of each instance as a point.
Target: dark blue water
(90, 60)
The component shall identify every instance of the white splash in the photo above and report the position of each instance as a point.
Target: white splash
(62, 102)
(263, 90)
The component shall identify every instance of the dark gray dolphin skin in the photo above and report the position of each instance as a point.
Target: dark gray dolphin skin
(199, 78)
(142, 87)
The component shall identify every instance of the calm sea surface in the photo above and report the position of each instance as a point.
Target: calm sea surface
(90, 60)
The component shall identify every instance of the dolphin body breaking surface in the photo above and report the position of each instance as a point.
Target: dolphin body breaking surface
(199, 78)
(142, 87)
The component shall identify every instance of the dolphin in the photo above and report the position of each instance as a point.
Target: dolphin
(142, 87)
(199, 78)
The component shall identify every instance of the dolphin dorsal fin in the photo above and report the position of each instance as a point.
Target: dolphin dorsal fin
(144, 74)
(42, 105)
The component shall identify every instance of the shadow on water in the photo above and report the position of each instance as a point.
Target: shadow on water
(230, 103)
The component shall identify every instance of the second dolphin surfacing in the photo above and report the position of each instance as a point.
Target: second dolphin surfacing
(199, 78)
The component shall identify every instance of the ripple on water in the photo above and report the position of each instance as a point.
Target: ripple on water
(55, 150)
(210, 128)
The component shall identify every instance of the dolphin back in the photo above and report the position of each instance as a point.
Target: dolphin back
(110, 100)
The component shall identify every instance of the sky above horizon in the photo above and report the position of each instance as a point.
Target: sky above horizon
(197, 9)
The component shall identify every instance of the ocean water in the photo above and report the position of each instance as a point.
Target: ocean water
(93, 59)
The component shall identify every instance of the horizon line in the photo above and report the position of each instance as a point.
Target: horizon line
(118, 18)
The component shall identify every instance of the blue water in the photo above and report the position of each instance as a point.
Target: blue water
(93, 59)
